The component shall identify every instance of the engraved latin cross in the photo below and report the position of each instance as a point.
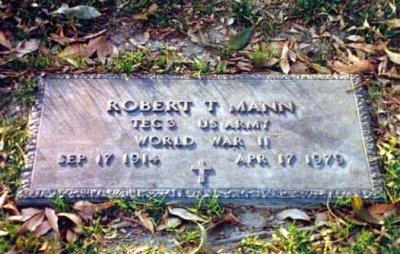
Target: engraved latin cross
(202, 169)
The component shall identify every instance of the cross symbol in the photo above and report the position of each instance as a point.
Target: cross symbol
(202, 168)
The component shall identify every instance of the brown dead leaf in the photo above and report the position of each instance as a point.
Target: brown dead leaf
(121, 224)
(392, 23)
(32, 223)
(231, 219)
(4, 41)
(244, 66)
(362, 66)
(60, 38)
(3, 199)
(227, 218)
(145, 220)
(75, 219)
(139, 16)
(86, 209)
(184, 214)
(42, 229)
(27, 213)
(102, 46)
(152, 8)
(169, 223)
(52, 219)
(355, 65)
(394, 57)
(71, 236)
(26, 47)
(284, 62)
(355, 38)
(384, 210)
(12, 208)
(362, 212)
(299, 68)
(73, 50)
(370, 48)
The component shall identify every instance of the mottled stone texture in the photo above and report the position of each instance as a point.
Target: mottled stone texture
(319, 146)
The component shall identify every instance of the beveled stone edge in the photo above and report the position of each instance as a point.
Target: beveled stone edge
(25, 194)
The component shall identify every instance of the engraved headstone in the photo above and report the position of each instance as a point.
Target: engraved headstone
(245, 138)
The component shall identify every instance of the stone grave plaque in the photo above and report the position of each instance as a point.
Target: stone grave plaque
(245, 138)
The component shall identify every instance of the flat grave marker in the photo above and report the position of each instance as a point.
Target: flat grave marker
(245, 138)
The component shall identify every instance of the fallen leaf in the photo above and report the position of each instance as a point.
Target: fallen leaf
(80, 11)
(152, 8)
(86, 209)
(284, 62)
(384, 210)
(3, 199)
(52, 219)
(169, 223)
(392, 23)
(294, 214)
(42, 229)
(185, 214)
(355, 38)
(192, 35)
(75, 219)
(321, 219)
(145, 220)
(26, 47)
(362, 212)
(299, 68)
(27, 213)
(71, 236)
(11, 207)
(244, 66)
(103, 47)
(241, 39)
(3, 159)
(139, 16)
(32, 223)
(353, 68)
(394, 57)
(231, 219)
(4, 41)
(122, 224)
(73, 50)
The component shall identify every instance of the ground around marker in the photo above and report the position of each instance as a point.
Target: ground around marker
(140, 38)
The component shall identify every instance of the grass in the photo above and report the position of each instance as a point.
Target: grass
(260, 57)
(128, 62)
(14, 135)
(200, 66)
(210, 207)
(61, 205)
(153, 206)
(390, 153)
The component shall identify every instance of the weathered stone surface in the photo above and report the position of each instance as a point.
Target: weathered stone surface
(268, 138)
